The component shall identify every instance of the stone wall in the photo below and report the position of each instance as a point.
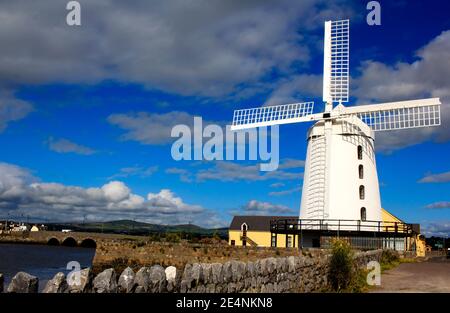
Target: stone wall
(305, 273)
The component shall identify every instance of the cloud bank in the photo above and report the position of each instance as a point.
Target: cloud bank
(429, 76)
(21, 192)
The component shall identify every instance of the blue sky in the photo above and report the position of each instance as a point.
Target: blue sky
(86, 112)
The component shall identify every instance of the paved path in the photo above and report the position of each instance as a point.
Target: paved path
(428, 276)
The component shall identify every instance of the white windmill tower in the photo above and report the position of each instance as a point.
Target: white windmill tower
(340, 180)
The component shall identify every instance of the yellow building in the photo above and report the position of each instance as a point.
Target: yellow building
(255, 231)
(412, 243)
(393, 233)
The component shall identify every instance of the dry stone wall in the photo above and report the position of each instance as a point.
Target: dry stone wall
(305, 273)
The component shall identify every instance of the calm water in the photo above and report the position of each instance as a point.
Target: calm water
(40, 260)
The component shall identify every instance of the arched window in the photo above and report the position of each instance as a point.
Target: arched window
(360, 152)
(362, 192)
(244, 228)
(361, 171)
(363, 214)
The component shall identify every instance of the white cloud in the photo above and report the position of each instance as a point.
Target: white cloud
(135, 171)
(150, 128)
(436, 178)
(184, 174)
(297, 88)
(21, 192)
(116, 191)
(12, 109)
(229, 171)
(439, 205)
(166, 199)
(438, 229)
(285, 192)
(254, 207)
(154, 128)
(291, 163)
(63, 145)
(428, 76)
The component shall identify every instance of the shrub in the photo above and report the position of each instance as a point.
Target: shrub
(154, 237)
(389, 256)
(173, 237)
(389, 259)
(341, 265)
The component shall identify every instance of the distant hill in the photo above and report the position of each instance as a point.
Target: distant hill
(138, 228)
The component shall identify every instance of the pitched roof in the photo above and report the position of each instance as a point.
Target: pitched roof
(395, 217)
(258, 223)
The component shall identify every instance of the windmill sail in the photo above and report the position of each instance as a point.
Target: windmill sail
(273, 115)
(399, 115)
(336, 62)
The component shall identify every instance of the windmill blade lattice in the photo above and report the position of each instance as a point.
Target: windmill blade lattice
(272, 115)
(336, 61)
(399, 115)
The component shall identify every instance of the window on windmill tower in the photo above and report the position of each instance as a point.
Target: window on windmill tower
(360, 152)
(361, 171)
(363, 214)
(361, 192)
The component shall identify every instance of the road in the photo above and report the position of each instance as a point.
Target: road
(432, 275)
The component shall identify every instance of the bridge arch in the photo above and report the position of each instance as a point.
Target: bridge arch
(69, 242)
(88, 243)
(53, 241)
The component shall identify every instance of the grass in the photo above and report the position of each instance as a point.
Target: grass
(394, 264)
(390, 259)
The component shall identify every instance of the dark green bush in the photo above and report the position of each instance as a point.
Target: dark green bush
(341, 266)
(173, 237)
(389, 259)
(389, 256)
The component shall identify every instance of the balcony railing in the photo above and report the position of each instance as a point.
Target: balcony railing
(298, 225)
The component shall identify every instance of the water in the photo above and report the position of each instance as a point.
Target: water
(40, 260)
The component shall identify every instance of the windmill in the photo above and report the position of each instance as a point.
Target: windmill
(340, 179)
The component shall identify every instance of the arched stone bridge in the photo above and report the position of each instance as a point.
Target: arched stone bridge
(73, 239)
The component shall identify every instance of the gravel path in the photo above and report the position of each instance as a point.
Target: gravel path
(428, 276)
